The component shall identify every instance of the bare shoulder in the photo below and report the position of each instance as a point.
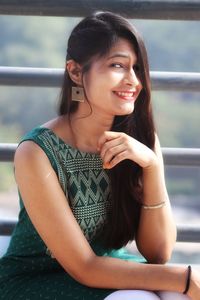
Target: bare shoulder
(54, 123)
(60, 126)
(31, 164)
(30, 158)
(28, 151)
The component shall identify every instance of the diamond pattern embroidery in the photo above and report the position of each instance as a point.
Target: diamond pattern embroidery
(84, 182)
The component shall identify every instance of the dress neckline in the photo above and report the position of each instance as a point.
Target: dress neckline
(68, 145)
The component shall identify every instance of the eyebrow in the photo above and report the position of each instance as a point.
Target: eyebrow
(119, 55)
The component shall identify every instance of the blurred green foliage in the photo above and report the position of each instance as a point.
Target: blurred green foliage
(6, 176)
(178, 118)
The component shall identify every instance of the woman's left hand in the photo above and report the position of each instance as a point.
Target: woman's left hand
(117, 146)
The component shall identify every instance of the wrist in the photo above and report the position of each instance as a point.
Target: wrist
(194, 284)
(188, 280)
(153, 206)
(152, 165)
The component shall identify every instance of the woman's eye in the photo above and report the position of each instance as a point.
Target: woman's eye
(117, 66)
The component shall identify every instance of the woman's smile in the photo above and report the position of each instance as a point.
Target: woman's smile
(126, 95)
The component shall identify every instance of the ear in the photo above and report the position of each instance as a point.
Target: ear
(74, 71)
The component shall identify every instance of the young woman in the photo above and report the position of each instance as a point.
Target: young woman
(92, 180)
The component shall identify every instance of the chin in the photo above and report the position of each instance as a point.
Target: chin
(126, 110)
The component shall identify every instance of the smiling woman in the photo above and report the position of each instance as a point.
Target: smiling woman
(92, 180)
(115, 72)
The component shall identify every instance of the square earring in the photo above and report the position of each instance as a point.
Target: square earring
(77, 94)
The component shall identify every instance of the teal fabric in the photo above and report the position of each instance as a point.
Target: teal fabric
(27, 270)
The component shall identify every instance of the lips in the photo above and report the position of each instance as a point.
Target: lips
(126, 95)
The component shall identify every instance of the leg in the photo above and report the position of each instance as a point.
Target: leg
(132, 295)
(172, 296)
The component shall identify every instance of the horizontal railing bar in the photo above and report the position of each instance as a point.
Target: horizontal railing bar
(40, 77)
(7, 226)
(181, 156)
(172, 156)
(175, 81)
(7, 151)
(185, 233)
(47, 77)
(188, 233)
(139, 9)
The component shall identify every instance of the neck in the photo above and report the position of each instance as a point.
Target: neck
(86, 130)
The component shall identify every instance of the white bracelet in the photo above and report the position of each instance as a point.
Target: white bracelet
(154, 206)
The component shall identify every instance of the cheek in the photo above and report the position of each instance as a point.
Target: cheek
(100, 83)
(94, 89)
(115, 77)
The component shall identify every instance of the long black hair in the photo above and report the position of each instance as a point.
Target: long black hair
(93, 37)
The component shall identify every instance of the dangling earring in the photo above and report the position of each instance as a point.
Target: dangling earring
(77, 94)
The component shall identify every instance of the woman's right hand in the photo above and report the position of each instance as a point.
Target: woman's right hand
(194, 290)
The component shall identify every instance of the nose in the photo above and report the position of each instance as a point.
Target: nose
(132, 79)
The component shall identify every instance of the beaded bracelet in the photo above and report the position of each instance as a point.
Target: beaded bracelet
(189, 270)
(154, 206)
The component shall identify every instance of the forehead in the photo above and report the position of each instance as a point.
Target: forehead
(123, 46)
(122, 49)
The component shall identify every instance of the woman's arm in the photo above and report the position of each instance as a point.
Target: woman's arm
(49, 210)
(50, 213)
(157, 232)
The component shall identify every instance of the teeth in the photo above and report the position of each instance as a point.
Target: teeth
(125, 94)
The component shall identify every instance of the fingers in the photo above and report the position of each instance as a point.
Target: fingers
(112, 148)
(117, 146)
(111, 155)
(116, 159)
(107, 136)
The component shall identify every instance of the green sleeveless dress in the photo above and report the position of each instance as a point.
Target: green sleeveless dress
(27, 270)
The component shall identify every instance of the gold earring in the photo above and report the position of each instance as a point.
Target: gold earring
(77, 94)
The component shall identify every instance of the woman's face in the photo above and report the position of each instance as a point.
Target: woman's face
(112, 85)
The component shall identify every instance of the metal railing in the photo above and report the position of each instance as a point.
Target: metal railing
(172, 156)
(139, 9)
(185, 233)
(147, 9)
(46, 77)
